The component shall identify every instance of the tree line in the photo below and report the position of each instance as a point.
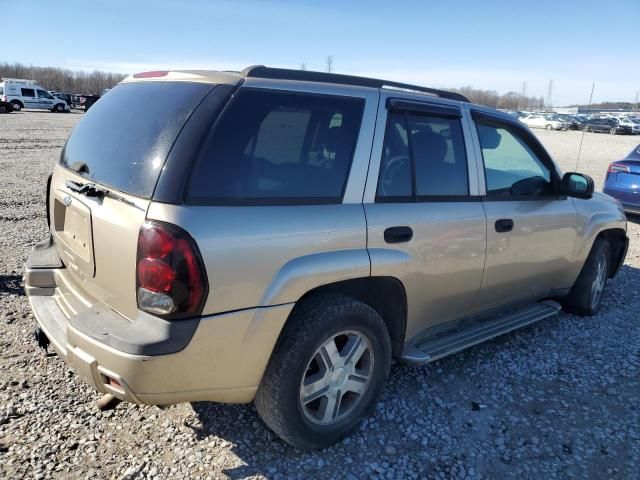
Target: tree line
(58, 79)
(506, 101)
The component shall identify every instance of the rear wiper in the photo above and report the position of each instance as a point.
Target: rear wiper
(92, 190)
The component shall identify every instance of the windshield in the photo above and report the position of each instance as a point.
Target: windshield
(123, 141)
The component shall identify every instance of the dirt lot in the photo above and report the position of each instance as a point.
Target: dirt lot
(555, 400)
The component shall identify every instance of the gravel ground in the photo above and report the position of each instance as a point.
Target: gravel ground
(555, 400)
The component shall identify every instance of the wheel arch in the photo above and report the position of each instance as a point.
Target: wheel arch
(386, 295)
(617, 239)
(19, 102)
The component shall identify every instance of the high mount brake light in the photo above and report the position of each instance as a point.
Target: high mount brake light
(171, 280)
(152, 74)
(618, 168)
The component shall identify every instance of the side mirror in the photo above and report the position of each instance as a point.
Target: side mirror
(577, 185)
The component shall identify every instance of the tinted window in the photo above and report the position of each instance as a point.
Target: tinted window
(278, 148)
(43, 94)
(28, 92)
(124, 139)
(435, 145)
(508, 161)
(1, 91)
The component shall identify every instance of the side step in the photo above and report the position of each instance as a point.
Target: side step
(433, 348)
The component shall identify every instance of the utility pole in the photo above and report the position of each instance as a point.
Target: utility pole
(635, 104)
(303, 66)
(550, 94)
(329, 63)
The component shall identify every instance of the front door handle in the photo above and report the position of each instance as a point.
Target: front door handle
(504, 225)
(398, 234)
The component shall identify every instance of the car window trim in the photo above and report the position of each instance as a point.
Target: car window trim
(432, 109)
(532, 142)
(271, 201)
(398, 106)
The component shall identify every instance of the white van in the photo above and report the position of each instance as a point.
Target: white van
(28, 94)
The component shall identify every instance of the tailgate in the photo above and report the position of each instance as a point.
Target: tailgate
(97, 240)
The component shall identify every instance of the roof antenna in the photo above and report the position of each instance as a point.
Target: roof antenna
(593, 86)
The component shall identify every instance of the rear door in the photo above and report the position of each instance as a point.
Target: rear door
(425, 222)
(531, 230)
(119, 149)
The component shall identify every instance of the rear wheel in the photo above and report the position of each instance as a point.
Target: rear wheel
(586, 295)
(327, 372)
(17, 106)
(548, 127)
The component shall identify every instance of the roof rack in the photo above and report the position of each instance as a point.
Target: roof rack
(19, 80)
(260, 71)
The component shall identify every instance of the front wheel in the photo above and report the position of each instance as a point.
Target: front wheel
(326, 373)
(612, 131)
(59, 108)
(585, 297)
(548, 127)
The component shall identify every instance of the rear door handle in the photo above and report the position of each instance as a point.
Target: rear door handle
(398, 234)
(504, 225)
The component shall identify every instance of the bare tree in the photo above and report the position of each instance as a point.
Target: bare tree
(62, 79)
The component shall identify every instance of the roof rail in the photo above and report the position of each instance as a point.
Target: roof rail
(19, 80)
(260, 71)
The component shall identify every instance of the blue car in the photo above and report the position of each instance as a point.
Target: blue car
(623, 181)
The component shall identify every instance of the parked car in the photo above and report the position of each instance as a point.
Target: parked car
(544, 121)
(627, 122)
(623, 181)
(279, 235)
(606, 125)
(72, 100)
(5, 106)
(573, 123)
(28, 94)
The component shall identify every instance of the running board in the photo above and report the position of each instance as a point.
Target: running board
(447, 343)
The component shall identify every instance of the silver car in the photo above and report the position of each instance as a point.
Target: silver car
(279, 236)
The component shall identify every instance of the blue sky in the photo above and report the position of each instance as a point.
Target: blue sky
(485, 44)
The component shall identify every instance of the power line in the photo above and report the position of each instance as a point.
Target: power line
(593, 87)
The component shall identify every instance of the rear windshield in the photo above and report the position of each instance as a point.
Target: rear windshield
(278, 148)
(124, 139)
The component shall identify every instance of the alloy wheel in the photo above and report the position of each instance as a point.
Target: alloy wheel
(337, 378)
(597, 287)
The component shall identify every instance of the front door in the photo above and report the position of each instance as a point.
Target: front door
(426, 227)
(531, 230)
(45, 100)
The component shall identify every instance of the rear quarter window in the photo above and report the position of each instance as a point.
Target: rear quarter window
(124, 139)
(275, 147)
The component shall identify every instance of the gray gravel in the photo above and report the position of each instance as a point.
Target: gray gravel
(555, 400)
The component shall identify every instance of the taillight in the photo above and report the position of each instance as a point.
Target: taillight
(3, 98)
(618, 167)
(171, 281)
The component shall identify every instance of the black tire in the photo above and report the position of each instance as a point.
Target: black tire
(549, 127)
(314, 322)
(17, 106)
(613, 131)
(583, 299)
(59, 108)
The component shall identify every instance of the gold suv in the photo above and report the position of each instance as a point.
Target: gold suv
(279, 236)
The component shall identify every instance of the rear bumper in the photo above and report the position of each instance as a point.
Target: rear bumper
(223, 360)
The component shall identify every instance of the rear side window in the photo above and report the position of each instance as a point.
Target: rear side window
(124, 139)
(423, 156)
(28, 92)
(273, 147)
